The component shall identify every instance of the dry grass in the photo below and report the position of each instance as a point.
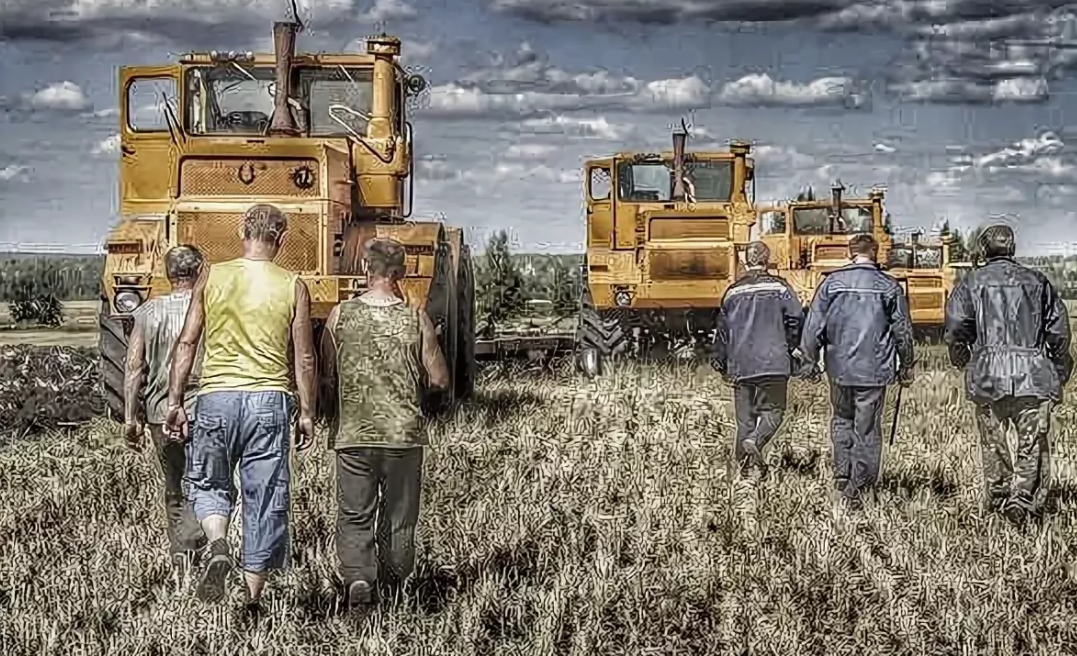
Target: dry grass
(560, 518)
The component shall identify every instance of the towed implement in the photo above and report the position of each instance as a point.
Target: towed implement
(663, 233)
(325, 137)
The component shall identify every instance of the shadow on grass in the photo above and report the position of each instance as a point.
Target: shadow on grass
(498, 406)
(909, 484)
(433, 586)
(800, 463)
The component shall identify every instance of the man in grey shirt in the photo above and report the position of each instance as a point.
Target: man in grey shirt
(149, 359)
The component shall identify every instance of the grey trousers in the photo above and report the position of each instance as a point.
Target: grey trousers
(856, 436)
(760, 405)
(378, 491)
(184, 532)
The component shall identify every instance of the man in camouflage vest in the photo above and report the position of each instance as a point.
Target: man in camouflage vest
(376, 352)
(1008, 328)
(157, 325)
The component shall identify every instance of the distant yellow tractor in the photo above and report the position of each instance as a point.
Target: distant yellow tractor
(324, 137)
(809, 238)
(663, 237)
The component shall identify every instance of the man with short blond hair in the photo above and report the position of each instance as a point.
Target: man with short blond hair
(253, 314)
(758, 328)
(379, 355)
(157, 325)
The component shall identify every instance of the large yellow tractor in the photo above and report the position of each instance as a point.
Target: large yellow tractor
(664, 233)
(325, 137)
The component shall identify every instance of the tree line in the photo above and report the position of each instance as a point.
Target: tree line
(504, 281)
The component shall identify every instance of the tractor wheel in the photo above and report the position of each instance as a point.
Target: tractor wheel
(598, 339)
(464, 371)
(112, 349)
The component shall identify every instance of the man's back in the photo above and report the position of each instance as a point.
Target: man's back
(760, 325)
(1016, 325)
(161, 320)
(861, 316)
(379, 365)
(249, 307)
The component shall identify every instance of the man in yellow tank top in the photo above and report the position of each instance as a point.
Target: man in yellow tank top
(378, 356)
(249, 309)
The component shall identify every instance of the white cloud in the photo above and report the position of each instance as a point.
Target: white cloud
(63, 97)
(107, 146)
(530, 150)
(1022, 90)
(586, 128)
(885, 149)
(388, 10)
(14, 172)
(760, 89)
(439, 168)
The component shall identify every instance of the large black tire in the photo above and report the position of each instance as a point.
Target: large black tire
(112, 348)
(599, 338)
(464, 371)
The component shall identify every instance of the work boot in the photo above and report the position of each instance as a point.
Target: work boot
(215, 575)
(359, 596)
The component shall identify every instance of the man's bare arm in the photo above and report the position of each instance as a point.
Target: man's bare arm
(136, 367)
(437, 372)
(306, 368)
(183, 353)
(327, 392)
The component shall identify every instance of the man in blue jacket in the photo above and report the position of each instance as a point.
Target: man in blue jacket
(860, 316)
(758, 328)
(1008, 328)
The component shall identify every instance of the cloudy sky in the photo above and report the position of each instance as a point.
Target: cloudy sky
(957, 107)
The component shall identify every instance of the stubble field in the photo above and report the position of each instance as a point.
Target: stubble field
(561, 517)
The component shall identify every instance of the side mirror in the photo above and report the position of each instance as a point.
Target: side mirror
(416, 84)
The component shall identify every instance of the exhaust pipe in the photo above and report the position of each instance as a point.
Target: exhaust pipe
(680, 136)
(835, 210)
(283, 124)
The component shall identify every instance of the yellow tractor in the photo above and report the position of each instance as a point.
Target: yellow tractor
(925, 269)
(808, 238)
(664, 234)
(325, 137)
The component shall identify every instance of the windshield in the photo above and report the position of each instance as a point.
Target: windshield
(927, 257)
(653, 181)
(816, 221)
(233, 99)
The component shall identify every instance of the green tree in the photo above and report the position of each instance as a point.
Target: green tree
(499, 284)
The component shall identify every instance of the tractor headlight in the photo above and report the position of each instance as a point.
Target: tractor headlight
(127, 301)
(622, 298)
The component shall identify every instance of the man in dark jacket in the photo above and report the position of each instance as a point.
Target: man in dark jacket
(861, 317)
(1008, 328)
(758, 328)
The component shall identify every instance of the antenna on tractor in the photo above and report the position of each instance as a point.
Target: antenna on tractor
(680, 136)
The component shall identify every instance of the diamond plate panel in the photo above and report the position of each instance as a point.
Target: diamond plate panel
(249, 177)
(217, 235)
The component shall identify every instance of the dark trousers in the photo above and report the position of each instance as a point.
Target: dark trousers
(855, 433)
(378, 490)
(1023, 478)
(760, 406)
(184, 532)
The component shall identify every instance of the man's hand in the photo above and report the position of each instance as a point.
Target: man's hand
(176, 424)
(906, 377)
(304, 433)
(133, 432)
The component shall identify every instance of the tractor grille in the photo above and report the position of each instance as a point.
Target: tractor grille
(925, 283)
(248, 177)
(687, 264)
(926, 301)
(829, 253)
(715, 227)
(217, 235)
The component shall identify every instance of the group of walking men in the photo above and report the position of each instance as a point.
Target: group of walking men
(209, 370)
(1005, 325)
